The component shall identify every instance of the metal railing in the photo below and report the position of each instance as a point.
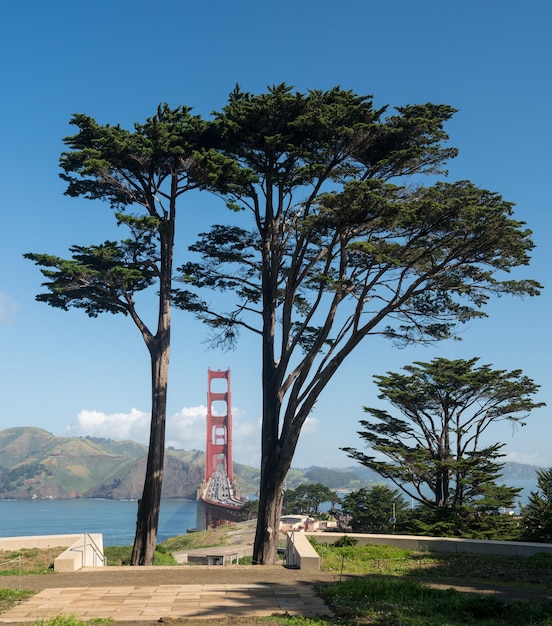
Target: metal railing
(18, 561)
(97, 552)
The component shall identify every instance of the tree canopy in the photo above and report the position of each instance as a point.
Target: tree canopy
(378, 509)
(334, 239)
(537, 514)
(145, 170)
(339, 240)
(435, 449)
(308, 498)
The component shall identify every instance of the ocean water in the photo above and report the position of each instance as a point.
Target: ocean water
(115, 519)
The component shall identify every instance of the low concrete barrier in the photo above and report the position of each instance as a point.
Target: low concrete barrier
(300, 553)
(84, 550)
(442, 544)
(216, 555)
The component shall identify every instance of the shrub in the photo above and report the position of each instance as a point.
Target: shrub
(345, 542)
(540, 561)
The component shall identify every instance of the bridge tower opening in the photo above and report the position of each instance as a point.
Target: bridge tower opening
(218, 448)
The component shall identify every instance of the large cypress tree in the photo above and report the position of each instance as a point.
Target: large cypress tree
(141, 173)
(339, 240)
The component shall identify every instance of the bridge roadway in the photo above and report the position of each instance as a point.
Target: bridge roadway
(220, 490)
(218, 502)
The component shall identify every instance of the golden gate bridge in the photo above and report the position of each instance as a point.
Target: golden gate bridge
(218, 497)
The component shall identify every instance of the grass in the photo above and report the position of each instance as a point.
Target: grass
(121, 555)
(201, 539)
(9, 597)
(72, 620)
(381, 586)
(30, 560)
(387, 587)
(535, 571)
(394, 602)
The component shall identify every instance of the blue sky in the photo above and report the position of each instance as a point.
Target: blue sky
(116, 60)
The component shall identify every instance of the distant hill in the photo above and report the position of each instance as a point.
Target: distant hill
(36, 464)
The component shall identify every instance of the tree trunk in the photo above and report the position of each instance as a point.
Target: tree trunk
(150, 503)
(268, 521)
(159, 348)
(276, 460)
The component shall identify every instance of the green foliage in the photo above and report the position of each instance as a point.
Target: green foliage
(73, 620)
(163, 557)
(249, 510)
(384, 587)
(348, 558)
(146, 169)
(537, 514)
(16, 476)
(121, 555)
(339, 240)
(28, 561)
(345, 541)
(307, 498)
(247, 478)
(117, 555)
(466, 522)
(540, 561)
(343, 241)
(371, 510)
(433, 448)
(382, 601)
(7, 594)
(99, 278)
(194, 540)
(10, 597)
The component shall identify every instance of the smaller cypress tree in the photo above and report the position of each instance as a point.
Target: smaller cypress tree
(537, 515)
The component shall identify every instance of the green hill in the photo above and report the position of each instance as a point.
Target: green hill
(36, 464)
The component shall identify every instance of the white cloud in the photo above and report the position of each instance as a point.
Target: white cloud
(118, 426)
(8, 309)
(186, 430)
(310, 426)
(529, 458)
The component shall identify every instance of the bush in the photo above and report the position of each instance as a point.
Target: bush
(121, 555)
(540, 561)
(345, 542)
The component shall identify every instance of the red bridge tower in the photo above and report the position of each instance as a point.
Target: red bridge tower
(218, 498)
(218, 449)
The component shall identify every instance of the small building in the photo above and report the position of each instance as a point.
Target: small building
(289, 523)
(293, 522)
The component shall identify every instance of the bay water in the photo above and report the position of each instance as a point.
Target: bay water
(115, 519)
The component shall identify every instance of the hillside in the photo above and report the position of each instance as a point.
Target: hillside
(36, 464)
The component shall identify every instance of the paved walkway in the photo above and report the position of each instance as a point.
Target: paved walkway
(156, 593)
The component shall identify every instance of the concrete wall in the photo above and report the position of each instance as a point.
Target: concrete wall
(442, 544)
(84, 550)
(300, 553)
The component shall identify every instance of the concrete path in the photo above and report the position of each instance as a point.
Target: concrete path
(135, 603)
